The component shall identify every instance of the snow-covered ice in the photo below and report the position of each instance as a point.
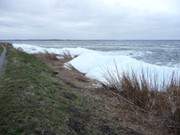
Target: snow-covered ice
(95, 63)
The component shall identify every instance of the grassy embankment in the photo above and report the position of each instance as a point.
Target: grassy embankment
(33, 101)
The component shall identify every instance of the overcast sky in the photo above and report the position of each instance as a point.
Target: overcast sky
(90, 19)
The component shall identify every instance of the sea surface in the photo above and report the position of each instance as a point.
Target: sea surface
(158, 52)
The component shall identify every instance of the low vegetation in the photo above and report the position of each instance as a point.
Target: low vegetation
(142, 93)
(33, 101)
(50, 56)
(68, 56)
(1, 49)
(139, 92)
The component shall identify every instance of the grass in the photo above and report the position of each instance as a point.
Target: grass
(71, 67)
(34, 101)
(5, 45)
(142, 93)
(68, 56)
(1, 49)
(31, 99)
(50, 56)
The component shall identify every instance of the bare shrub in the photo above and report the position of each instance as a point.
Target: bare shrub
(136, 89)
(68, 56)
(145, 93)
(50, 56)
(173, 92)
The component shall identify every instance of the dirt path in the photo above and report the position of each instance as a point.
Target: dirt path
(2, 59)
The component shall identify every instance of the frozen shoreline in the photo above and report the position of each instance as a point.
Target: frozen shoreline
(96, 63)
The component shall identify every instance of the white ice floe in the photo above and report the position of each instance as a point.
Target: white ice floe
(96, 63)
(38, 49)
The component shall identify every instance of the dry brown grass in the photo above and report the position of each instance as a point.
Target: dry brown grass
(50, 56)
(68, 56)
(72, 68)
(65, 56)
(146, 95)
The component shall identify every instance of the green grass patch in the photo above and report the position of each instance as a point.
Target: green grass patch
(31, 99)
(1, 49)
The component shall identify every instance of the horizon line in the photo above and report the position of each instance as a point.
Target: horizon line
(53, 39)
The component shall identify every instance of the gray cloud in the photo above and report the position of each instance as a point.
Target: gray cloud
(95, 19)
